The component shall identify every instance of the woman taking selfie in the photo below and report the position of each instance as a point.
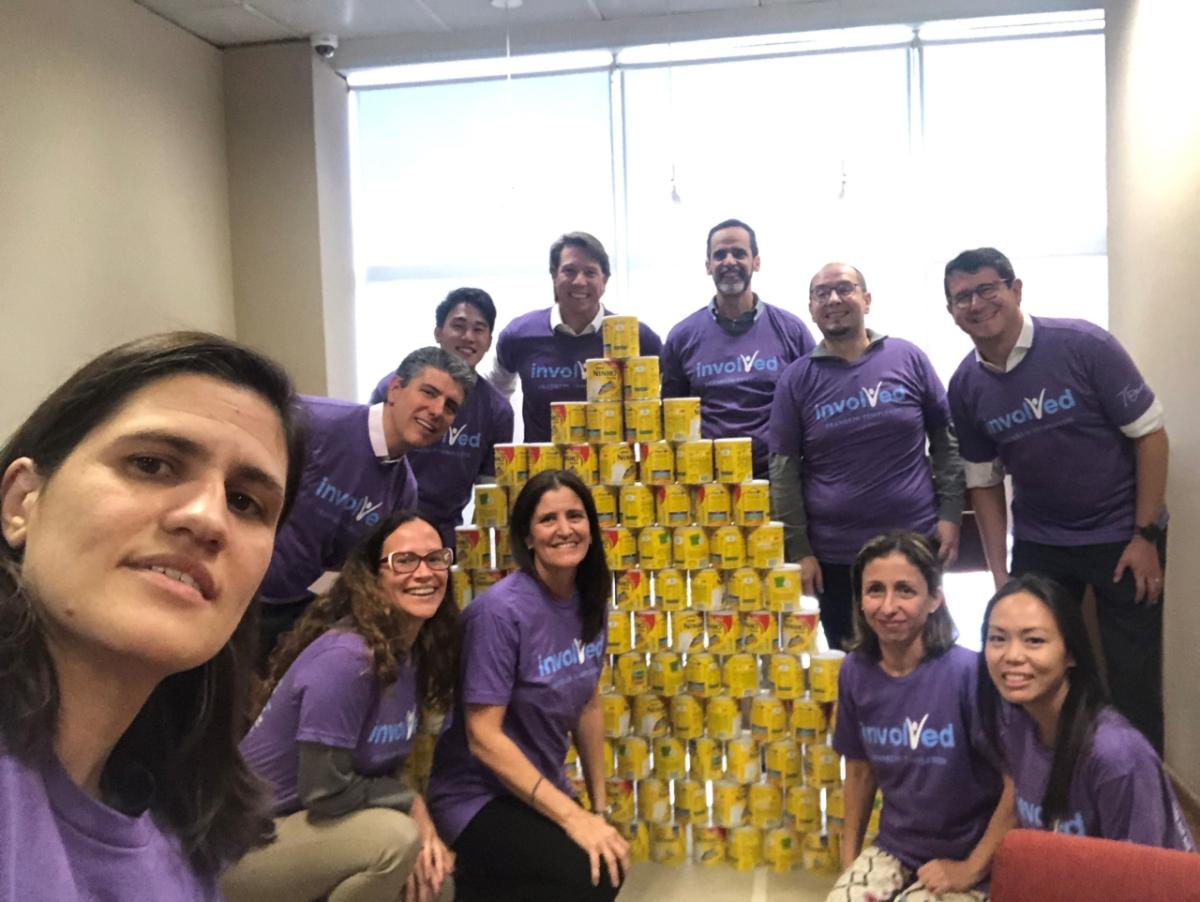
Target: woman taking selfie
(533, 646)
(139, 505)
(346, 690)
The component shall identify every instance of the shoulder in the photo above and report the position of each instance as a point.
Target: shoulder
(1119, 750)
(688, 326)
(797, 370)
(503, 601)
(528, 324)
(341, 650)
(783, 317)
(322, 411)
(963, 372)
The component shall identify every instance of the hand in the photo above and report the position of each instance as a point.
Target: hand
(434, 864)
(810, 576)
(947, 534)
(944, 876)
(602, 842)
(1141, 559)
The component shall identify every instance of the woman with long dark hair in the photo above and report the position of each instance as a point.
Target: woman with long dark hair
(907, 724)
(138, 504)
(533, 647)
(1078, 766)
(343, 701)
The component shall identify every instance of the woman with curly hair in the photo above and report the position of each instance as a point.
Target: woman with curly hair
(343, 700)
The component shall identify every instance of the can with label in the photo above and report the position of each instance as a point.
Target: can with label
(603, 377)
(708, 845)
(729, 803)
(654, 547)
(649, 630)
(620, 801)
(617, 466)
(666, 669)
(605, 498)
(689, 545)
(734, 459)
(633, 758)
(784, 766)
(472, 549)
(745, 847)
(727, 548)
(800, 631)
(568, 423)
(637, 505)
(681, 419)
(673, 505)
(654, 803)
(491, 506)
(764, 545)
(835, 808)
(758, 629)
(669, 763)
(742, 760)
(693, 462)
(657, 464)
(620, 336)
(691, 804)
(817, 855)
(740, 675)
(785, 676)
(710, 504)
(460, 581)
(630, 674)
(766, 806)
(620, 637)
(544, 456)
(808, 721)
(670, 588)
(752, 502)
(703, 675)
(823, 675)
(616, 714)
(708, 590)
(584, 461)
(705, 760)
(485, 577)
(633, 593)
(504, 555)
(822, 766)
(783, 586)
(642, 378)
(620, 548)
(723, 717)
(668, 844)
(643, 421)
(721, 628)
(604, 422)
(512, 464)
(803, 806)
(768, 718)
(687, 717)
(637, 835)
(606, 674)
(743, 590)
(650, 717)
(687, 632)
(781, 849)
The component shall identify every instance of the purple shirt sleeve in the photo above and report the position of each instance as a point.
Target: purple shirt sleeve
(846, 741)
(336, 685)
(494, 641)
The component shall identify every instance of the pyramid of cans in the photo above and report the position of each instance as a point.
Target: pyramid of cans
(717, 707)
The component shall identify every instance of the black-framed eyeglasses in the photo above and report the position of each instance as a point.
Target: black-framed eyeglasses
(987, 292)
(822, 293)
(408, 561)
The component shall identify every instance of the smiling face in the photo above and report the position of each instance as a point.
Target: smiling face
(148, 542)
(1025, 653)
(419, 413)
(579, 284)
(896, 600)
(420, 592)
(994, 319)
(730, 261)
(465, 333)
(559, 533)
(837, 302)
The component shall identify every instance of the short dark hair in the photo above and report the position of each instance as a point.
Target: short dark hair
(592, 576)
(974, 260)
(475, 297)
(437, 358)
(940, 632)
(186, 734)
(731, 224)
(589, 244)
(1086, 696)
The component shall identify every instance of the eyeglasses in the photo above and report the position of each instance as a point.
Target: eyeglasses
(822, 293)
(987, 292)
(407, 561)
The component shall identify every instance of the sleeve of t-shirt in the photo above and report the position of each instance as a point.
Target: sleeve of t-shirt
(846, 736)
(785, 431)
(335, 686)
(933, 400)
(674, 379)
(379, 395)
(649, 344)
(972, 444)
(973, 717)
(1130, 802)
(802, 337)
(1122, 391)
(491, 647)
(504, 352)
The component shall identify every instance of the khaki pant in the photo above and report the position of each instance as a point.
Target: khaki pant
(877, 876)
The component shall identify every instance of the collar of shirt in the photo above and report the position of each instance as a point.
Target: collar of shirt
(557, 324)
(1020, 349)
(376, 434)
(740, 323)
(873, 339)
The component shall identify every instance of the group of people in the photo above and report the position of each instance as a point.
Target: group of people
(172, 481)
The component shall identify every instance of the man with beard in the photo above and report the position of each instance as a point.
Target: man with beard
(731, 352)
(848, 460)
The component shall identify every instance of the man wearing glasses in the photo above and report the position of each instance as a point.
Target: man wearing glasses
(848, 434)
(1059, 406)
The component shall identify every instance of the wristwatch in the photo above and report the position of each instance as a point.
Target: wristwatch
(1151, 532)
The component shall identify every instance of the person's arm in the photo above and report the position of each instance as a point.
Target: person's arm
(1141, 556)
(328, 785)
(944, 876)
(674, 377)
(589, 741)
(949, 485)
(503, 380)
(787, 506)
(991, 515)
(858, 794)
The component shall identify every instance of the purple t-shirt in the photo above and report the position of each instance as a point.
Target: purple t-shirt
(446, 471)
(550, 364)
(330, 696)
(733, 375)
(521, 649)
(1055, 421)
(1118, 790)
(57, 842)
(344, 491)
(861, 428)
(921, 735)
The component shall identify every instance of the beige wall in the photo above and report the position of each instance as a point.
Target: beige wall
(1154, 271)
(114, 215)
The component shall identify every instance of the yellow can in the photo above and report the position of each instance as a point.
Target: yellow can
(743, 589)
(649, 630)
(673, 505)
(633, 594)
(657, 465)
(654, 803)
(681, 419)
(643, 421)
(758, 632)
(491, 506)
(584, 461)
(603, 377)
(823, 675)
(765, 545)
(620, 801)
(568, 423)
(822, 766)
(781, 849)
(687, 632)
(687, 717)
(620, 637)
(729, 803)
(783, 587)
(803, 805)
(710, 504)
(800, 631)
(785, 676)
(620, 336)
(835, 808)
(723, 717)
(705, 760)
(691, 804)
(818, 855)
(740, 675)
(642, 379)
(727, 548)
(616, 714)
(766, 806)
(544, 456)
(669, 763)
(722, 631)
(460, 581)
(485, 577)
(768, 718)
(606, 674)
(617, 466)
(784, 766)
(637, 835)
(668, 844)
(637, 505)
(472, 549)
(752, 502)
(670, 588)
(633, 758)
(693, 462)
(512, 464)
(708, 591)
(708, 844)
(666, 669)
(745, 847)
(504, 555)
(620, 548)
(650, 716)
(690, 547)
(630, 674)
(605, 498)
(654, 547)
(734, 459)
(808, 720)
(703, 675)
(742, 760)
(604, 422)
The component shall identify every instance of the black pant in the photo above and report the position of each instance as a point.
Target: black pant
(837, 605)
(1130, 633)
(511, 853)
(275, 619)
